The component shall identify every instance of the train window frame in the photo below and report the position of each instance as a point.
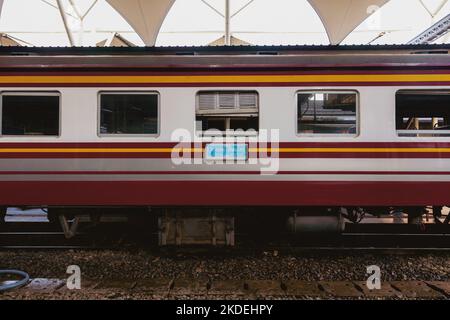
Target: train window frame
(128, 135)
(204, 134)
(325, 135)
(418, 134)
(33, 93)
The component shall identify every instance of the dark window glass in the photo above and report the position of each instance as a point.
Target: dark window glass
(25, 115)
(129, 113)
(213, 123)
(423, 111)
(221, 124)
(327, 113)
(244, 123)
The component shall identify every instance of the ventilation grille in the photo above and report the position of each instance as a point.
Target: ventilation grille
(248, 100)
(207, 101)
(227, 102)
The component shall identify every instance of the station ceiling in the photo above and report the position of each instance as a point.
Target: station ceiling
(340, 17)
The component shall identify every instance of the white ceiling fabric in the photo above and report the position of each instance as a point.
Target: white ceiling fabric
(341, 17)
(144, 16)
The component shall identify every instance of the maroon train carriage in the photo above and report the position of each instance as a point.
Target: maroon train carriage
(328, 131)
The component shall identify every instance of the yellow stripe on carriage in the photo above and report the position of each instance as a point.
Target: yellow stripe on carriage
(75, 79)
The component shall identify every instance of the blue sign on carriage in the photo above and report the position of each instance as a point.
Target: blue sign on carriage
(226, 151)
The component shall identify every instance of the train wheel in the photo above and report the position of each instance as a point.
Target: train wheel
(437, 213)
(415, 215)
(447, 219)
(3, 214)
(52, 216)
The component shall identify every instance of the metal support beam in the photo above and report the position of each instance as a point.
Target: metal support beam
(437, 10)
(212, 8)
(227, 23)
(56, 7)
(75, 9)
(227, 17)
(1, 7)
(66, 25)
(436, 31)
(89, 9)
(242, 8)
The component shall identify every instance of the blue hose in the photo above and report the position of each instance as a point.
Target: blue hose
(25, 278)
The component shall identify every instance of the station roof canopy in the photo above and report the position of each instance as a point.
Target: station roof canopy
(144, 16)
(340, 17)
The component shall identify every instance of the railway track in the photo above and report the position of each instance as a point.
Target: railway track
(119, 235)
(175, 288)
(48, 236)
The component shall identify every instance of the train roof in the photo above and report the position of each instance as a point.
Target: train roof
(231, 57)
(224, 50)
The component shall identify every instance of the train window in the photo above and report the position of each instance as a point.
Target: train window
(30, 114)
(128, 113)
(327, 113)
(227, 111)
(423, 113)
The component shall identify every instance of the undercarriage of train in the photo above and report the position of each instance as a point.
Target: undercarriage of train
(231, 226)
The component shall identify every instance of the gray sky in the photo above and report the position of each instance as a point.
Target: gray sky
(190, 22)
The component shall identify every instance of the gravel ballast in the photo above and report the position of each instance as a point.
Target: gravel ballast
(140, 264)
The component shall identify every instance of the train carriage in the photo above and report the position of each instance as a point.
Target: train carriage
(330, 126)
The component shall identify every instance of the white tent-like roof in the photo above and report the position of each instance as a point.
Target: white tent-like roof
(340, 19)
(145, 16)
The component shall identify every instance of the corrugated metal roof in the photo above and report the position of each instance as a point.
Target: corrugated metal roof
(190, 50)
